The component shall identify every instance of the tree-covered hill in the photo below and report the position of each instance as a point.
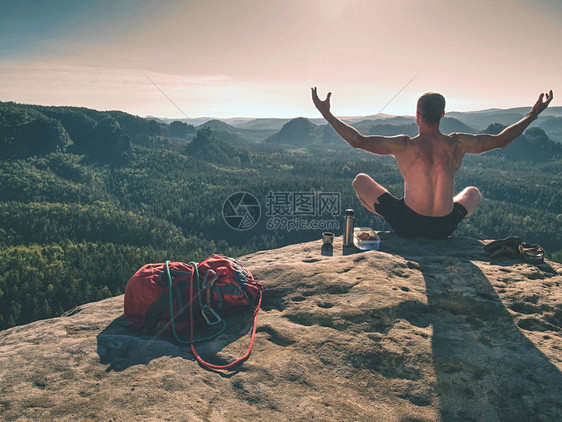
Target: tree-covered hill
(450, 125)
(297, 132)
(552, 126)
(104, 135)
(208, 147)
(533, 145)
(29, 132)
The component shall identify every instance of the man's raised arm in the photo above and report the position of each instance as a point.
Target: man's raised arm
(483, 142)
(383, 145)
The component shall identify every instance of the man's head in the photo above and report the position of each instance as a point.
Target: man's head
(431, 108)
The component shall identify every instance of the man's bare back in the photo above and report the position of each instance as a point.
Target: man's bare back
(428, 163)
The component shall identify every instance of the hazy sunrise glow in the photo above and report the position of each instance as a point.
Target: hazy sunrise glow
(255, 58)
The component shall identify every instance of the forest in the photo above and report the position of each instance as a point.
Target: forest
(87, 197)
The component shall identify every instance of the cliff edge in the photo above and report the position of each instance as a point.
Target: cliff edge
(421, 330)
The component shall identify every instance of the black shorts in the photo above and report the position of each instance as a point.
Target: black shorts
(408, 223)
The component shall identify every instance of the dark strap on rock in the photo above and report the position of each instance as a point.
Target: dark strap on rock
(237, 361)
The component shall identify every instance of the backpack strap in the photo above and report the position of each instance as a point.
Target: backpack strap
(237, 361)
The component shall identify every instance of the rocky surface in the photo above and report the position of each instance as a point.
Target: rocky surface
(418, 331)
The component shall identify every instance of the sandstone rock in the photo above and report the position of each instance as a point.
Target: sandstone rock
(419, 331)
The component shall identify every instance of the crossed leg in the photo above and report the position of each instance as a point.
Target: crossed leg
(469, 198)
(367, 190)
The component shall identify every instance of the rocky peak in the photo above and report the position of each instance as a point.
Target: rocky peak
(420, 330)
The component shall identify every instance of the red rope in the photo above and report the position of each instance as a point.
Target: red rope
(237, 361)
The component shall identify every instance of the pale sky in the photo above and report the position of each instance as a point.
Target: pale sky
(259, 58)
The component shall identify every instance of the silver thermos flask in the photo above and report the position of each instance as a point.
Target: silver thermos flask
(348, 228)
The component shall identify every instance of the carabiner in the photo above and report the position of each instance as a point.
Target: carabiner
(212, 311)
(204, 283)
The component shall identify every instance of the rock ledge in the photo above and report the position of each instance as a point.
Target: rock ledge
(420, 330)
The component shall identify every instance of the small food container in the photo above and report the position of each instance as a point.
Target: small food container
(366, 239)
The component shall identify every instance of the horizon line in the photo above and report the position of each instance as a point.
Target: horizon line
(339, 116)
(268, 117)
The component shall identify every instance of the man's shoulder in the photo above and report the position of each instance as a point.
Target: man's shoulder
(455, 136)
(400, 138)
(451, 140)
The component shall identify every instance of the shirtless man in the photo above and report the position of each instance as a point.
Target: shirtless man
(428, 163)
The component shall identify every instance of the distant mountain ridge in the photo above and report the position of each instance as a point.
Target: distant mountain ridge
(302, 132)
(33, 129)
(234, 135)
(478, 120)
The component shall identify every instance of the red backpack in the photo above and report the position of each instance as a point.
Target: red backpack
(176, 296)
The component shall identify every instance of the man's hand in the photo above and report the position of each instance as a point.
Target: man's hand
(382, 145)
(540, 105)
(322, 106)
